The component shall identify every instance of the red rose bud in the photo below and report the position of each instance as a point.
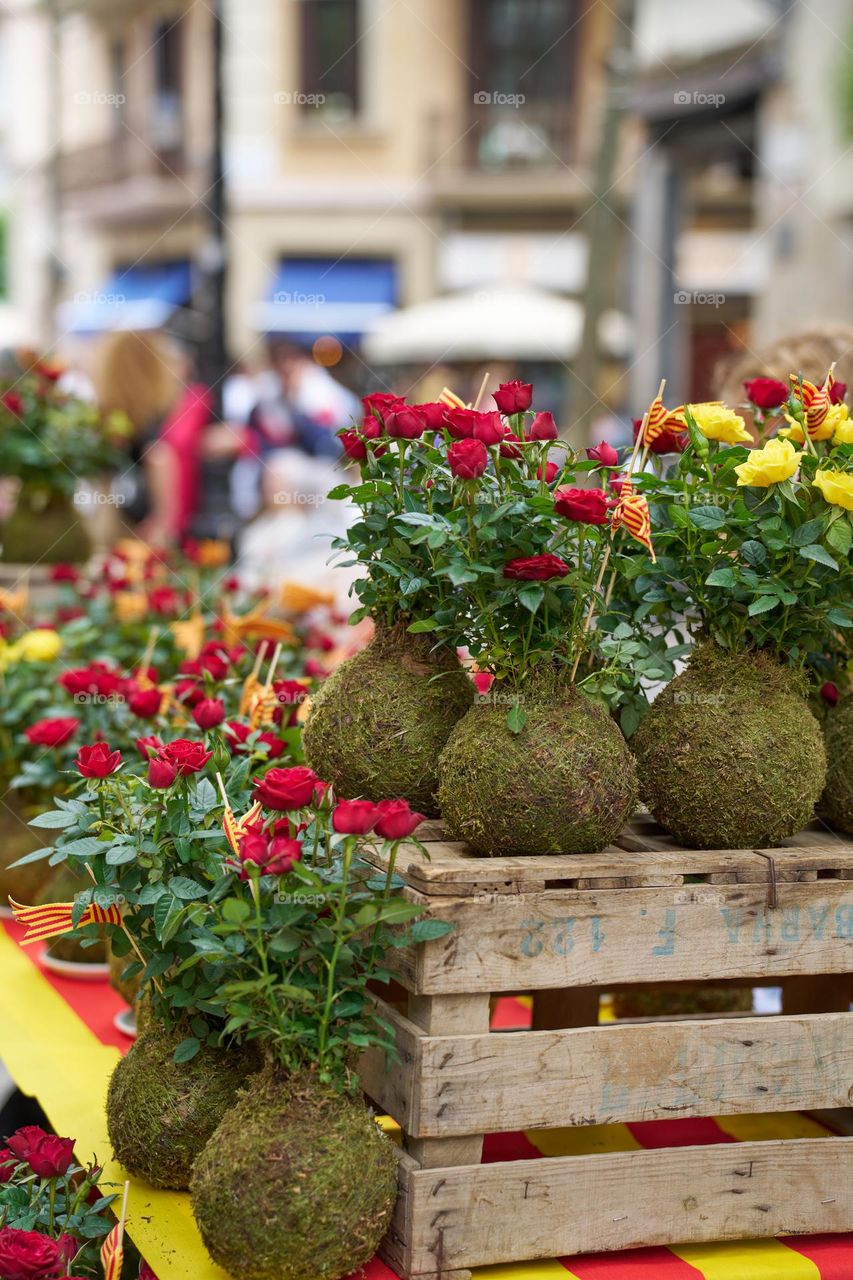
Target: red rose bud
(163, 601)
(586, 506)
(188, 692)
(483, 681)
(253, 849)
(13, 402)
(214, 664)
(7, 1164)
(236, 733)
(829, 693)
(321, 790)
(64, 573)
(161, 773)
(667, 442)
(283, 853)
(188, 757)
(536, 568)
(52, 733)
(273, 743)
(145, 703)
(510, 445)
(97, 761)
(285, 789)
(396, 820)
(766, 393)
(513, 397)
(470, 424)
(460, 424)
(354, 817)
(405, 423)
(433, 412)
(380, 402)
(543, 427)
(551, 472)
(467, 459)
(47, 1155)
(148, 747)
(605, 454)
(209, 713)
(353, 445)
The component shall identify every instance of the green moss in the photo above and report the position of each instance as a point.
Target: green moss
(837, 802)
(651, 1003)
(297, 1183)
(44, 529)
(24, 884)
(161, 1113)
(64, 887)
(565, 784)
(378, 723)
(730, 756)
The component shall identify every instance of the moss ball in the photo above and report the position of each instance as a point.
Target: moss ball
(24, 884)
(64, 887)
(161, 1113)
(297, 1183)
(653, 1003)
(730, 756)
(565, 784)
(837, 802)
(378, 724)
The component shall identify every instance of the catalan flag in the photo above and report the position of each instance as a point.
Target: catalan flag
(263, 704)
(235, 828)
(655, 421)
(817, 401)
(112, 1254)
(632, 511)
(451, 399)
(54, 918)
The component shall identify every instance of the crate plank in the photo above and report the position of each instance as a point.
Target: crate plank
(565, 1205)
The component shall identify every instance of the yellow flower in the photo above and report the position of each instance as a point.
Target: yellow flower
(795, 432)
(843, 425)
(836, 487)
(717, 422)
(41, 645)
(777, 461)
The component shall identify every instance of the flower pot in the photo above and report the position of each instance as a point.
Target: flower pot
(160, 1113)
(730, 756)
(837, 801)
(24, 884)
(564, 784)
(44, 528)
(378, 724)
(297, 1183)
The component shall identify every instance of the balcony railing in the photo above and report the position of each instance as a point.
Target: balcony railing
(115, 160)
(505, 133)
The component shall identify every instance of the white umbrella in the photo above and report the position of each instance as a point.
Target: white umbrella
(504, 322)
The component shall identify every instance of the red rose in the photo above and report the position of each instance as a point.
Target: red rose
(286, 788)
(605, 454)
(8, 1161)
(188, 757)
(551, 472)
(52, 733)
(353, 445)
(63, 573)
(283, 852)
(315, 669)
(145, 703)
(587, 506)
(514, 396)
(97, 678)
(536, 568)
(319, 640)
(163, 600)
(161, 773)
(354, 817)
(483, 681)
(288, 693)
(209, 713)
(510, 445)
(252, 848)
(97, 761)
(47, 1155)
(273, 743)
(238, 733)
(13, 402)
(396, 820)
(543, 427)
(148, 746)
(380, 402)
(829, 693)
(670, 440)
(145, 1272)
(28, 1255)
(467, 459)
(766, 393)
(837, 392)
(188, 692)
(434, 414)
(405, 423)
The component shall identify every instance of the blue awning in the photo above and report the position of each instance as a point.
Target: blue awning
(143, 296)
(342, 297)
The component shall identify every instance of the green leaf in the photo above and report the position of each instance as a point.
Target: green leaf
(35, 856)
(183, 887)
(424, 624)
(167, 916)
(839, 535)
(187, 1049)
(721, 578)
(762, 605)
(54, 819)
(816, 552)
(119, 854)
(754, 553)
(427, 930)
(459, 574)
(83, 847)
(629, 719)
(708, 517)
(531, 597)
(836, 616)
(235, 910)
(807, 532)
(515, 718)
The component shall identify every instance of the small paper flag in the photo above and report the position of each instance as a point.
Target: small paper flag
(54, 918)
(632, 511)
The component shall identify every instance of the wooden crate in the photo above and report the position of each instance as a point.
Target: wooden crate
(564, 929)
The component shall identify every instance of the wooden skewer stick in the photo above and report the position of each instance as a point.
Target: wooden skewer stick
(482, 390)
(222, 790)
(591, 610)
(123, 1219)
(140, 957)
(149, 649)
(641, 434)
(273, 665)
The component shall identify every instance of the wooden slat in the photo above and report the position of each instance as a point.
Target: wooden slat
(445, 1016)
(562, 938)
(566, 1205)
(631, 1072)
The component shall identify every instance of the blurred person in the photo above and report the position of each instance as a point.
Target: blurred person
(148, 378)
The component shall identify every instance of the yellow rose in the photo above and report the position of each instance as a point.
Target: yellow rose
(717, 421)
(777, 461)
(836, 487)
(843, 425)
(793, 432)
(41, 645)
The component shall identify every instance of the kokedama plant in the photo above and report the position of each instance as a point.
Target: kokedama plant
(755, 545)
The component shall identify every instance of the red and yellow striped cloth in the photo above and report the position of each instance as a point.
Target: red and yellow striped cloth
(112, 1253)
(55, 918)
(235, 828)
(632, 511)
